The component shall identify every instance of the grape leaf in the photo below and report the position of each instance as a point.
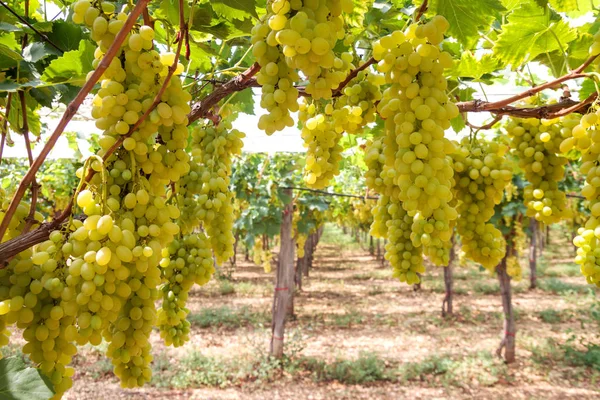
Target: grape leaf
(244, 101)
(471, 67)
(8, 58)
(458, 123)
(248, 7)
(574, 8)
(37, 51)
(66, 35)
(532, 30)
(18, 382)
(466, 17)
(587, 88)
(72, 67)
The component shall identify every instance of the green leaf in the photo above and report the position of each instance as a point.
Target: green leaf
(466, 17)
(587, 88)
(574, 8)
(66, 35)
(8, 58)
(244, 101)
(72, 67)
(37, 51)
(248, 7)
(458, 123)
(6, 27)
(18, 382)
(532, 30)
(199, 57)
(470, 67)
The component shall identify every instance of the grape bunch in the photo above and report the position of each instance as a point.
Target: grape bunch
(481, 173)
(204, 192)
(417, 110)
(405, 258)
(261, 256)
(321, 138)
(588, 238)
(536, 143)
(186, 261)
(297, 36)
(574, 132)
(356, 106)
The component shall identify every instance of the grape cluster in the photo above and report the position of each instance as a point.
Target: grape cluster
(416, 170)
(261, 256)
(297, 35)
(204, 192)
(405, 258)
(574, 132)
(588, 238)
(321, 139)
(481, 174)
(536, 143)
(186, 261)
(356, 106)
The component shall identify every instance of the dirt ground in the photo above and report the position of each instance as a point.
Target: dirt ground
(351, 307)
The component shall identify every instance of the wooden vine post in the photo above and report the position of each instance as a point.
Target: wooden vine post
(449, 282)
(533, 225)
(509, 331)
(284, 286)
(371, 246)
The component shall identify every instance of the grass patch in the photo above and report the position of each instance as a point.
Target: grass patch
(228, 317)
(250, 288)
(367, 368)
(383, 274)
(558, 286)
(346, 320)
(226, 287)
(334, 235)
(486, 288)
(562, 270)
(481, 368)
(552, 316)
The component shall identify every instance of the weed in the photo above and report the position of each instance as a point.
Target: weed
(551, 316)
(435, 365)
(226, 287)
(486, 288)
(375, 291)
(346, 320)
(368, 367)
(588, 357)
(227, 317)
(558, 286)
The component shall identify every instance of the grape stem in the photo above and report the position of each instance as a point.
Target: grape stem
(67, 116)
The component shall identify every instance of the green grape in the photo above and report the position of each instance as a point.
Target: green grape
(405, 258)
(321, 139)
(205, 192)
(415, 168)
(481, 174)
(186, 261)
(537, 144)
